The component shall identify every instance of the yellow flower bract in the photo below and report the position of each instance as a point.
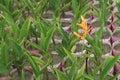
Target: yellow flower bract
(86, 30)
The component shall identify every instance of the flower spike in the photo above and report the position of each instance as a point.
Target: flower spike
(86, 30)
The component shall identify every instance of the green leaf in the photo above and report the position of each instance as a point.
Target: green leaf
(23, 75)
(4, 58)
(90, 40)
(46, 34)
(17, 48)
(80, 72)
(3, 69)
(42, 28)
(39, 78)
(17, 13)
(33, 64)
(48, 38)
(96, 43)
(29, 4)
(63, 33)
(97, 69)
(7, 2)
(66, 6)
(108, 67)
(73, 49)
(70, 55)
(60, 75)
(73, 41)
(103, 13)
(60, 52)
(3, 8)
(38, 60)
(107, 60)
(4, 53)
(43, 31)
(72, 72)
(99, 51)
(88, 77)
(8, 17)
(118, 16)
(84, 9)
(41, 7)
(114, 77)
(45, 66)
(2, 31)
(98, 35)
(118, 5)
(24, 31)
(37, 46)
(75, 6)
(96, 11)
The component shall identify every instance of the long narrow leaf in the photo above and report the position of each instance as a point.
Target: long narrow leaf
(24, 30)
(70, 55)
(108, 67)
(60, 75)
(23, 75)
(17, 48)
(48, 38)
(72, 72)
(33, 64)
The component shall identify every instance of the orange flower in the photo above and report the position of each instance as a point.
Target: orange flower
(78, 35)
(83, 24)
(86, 30)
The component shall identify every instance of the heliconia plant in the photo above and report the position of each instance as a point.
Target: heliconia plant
(59, 39)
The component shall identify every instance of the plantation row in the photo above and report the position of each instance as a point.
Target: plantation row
(59, 40)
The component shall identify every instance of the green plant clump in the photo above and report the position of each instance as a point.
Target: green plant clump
(59, 39)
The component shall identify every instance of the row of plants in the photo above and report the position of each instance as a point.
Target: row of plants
(28, 39)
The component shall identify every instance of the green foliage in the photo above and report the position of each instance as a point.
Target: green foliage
(28, 33)
(109, 65)
(23, 75)
(4, 57)
(34, 65)
(118, 5)
(60, 75)
(24, 31)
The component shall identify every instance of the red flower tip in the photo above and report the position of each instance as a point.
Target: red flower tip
(114, 52)
(112, 18)
(116, 69)
(69, 30)
(111, 27)
(113, 39)
(60, 67)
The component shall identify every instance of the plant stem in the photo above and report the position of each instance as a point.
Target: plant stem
(19, 73)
